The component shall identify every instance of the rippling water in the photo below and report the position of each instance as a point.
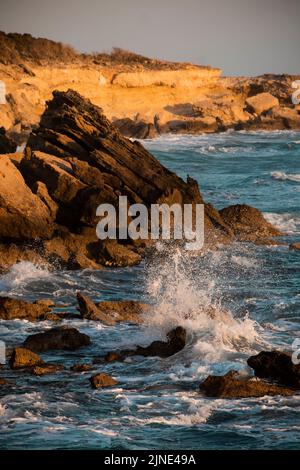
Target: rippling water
(156, 404)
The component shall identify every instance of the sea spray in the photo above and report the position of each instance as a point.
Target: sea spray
(185, 292)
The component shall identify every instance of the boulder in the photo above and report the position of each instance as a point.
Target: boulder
(231, 385)
(7, 145)
(276, 365)
(22, 358)
(102, 380)
(23, 216)
(261, 102)
(63, 337)
(248, 223)
(110, 312)
(11, 309)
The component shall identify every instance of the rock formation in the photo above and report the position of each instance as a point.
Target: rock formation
(74, 161)
(276, 365)
(231, 385)
(11, 309)
(64, 337)
(102, 380)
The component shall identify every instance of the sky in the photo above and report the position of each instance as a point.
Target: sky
(242, 37)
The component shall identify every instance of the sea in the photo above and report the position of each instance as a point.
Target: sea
(254, 291)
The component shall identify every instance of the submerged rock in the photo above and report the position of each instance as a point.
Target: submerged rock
(80, 367)
(110, 312)
(102, 380)
(11, 309)
(63, 337)
(231, 385)
(276, 365)
(22, 358)
(46, 369)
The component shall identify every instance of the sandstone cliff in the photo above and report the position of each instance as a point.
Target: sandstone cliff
(144, 97)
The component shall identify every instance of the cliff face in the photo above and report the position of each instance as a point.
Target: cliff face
(143, 97)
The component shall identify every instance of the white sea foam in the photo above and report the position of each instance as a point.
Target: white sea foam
(282, 176)
(21, 273)
(185, 298)
(289, 223)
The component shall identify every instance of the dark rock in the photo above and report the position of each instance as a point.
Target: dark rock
(248, 223)
(3, 382)
(63, 337)
(231, 385)
(276, 365)
(112, 357)
(137, 129)
(90, 311)
(102, 380)
(81, 367)
(176, 340)
(11, 309)
(7, 145)
(22, 358)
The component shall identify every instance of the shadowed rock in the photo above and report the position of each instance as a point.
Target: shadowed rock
(231, 385)
(176, 340)
(7, 145)
(63, 337)
(276, 365)
(80, 367)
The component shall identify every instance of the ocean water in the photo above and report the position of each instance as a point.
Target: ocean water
(253, 290)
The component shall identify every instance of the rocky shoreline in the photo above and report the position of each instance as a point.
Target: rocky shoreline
(274, 371)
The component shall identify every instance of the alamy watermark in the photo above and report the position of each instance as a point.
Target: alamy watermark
(160, 222)
(295, 99)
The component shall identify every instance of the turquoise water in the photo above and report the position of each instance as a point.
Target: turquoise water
(254, 290)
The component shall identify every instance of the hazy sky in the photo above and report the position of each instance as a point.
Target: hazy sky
(243, 37)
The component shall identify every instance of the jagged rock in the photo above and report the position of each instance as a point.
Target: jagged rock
(262, 102)
(113, 253)
(295, 246)
(22, 358)
(176, 340)
(63, 337)
(248, 223)
(276, 365)
(40, 189)
(102, 380)
(11, 309)
(110, 312)
(7, 145)
(23, 216)
(81, 367)
(45, 369)
(231, 385)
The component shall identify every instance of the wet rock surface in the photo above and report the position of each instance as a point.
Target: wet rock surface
(276, 365)
(63, 337)
(231, 385)
(11, 309)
